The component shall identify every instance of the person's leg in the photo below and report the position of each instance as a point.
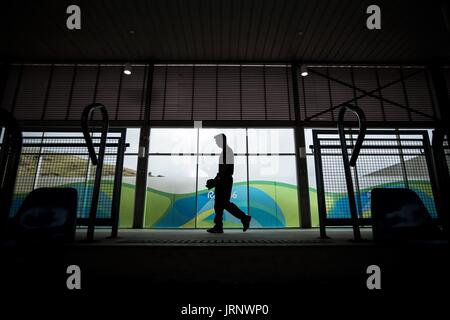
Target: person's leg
(234, 210)
(219, 205)
(218, 218)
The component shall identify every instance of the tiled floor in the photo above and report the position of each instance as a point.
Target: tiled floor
(338, 236)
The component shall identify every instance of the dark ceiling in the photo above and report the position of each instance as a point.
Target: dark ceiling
(224, 30)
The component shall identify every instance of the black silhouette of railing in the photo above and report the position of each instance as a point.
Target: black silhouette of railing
(96, 160)
(11, 149)
(352, 162)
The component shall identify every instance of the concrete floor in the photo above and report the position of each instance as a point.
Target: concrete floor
(253, 237)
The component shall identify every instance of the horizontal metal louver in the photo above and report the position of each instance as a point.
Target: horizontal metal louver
(221, 92)
(447, 77)
(12, 83)
(83, 91)
(205, 91)
(31, 94)
(59, 95)
(158, 93)
(218, 92)
(229, 104)
(384, 93)
(60, 92)
(133, 91)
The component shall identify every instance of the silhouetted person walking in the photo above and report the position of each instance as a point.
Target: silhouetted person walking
(223, 183)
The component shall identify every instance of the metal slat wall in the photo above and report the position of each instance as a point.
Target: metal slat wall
(405, 93)
(447, 78)
(60, 92)
(222, 92)
(32, 92)
(218, 92)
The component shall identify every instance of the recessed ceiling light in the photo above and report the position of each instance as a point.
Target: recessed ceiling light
(127, 69)
(131, 31)
(303, 70)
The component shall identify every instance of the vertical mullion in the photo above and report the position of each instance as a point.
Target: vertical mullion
(352, 75)
(144, 82)
(288, 91)
(94, 98)
(265, 92)
(115, 209)
(433, 105)
(193, 92)
(405, 93)
(16, 91)
(383, 113)
(165, 92)
(329, 93)
(4, 76)
(304, 98)
(248, 171)
(300, 157)
(142, 163)
(321, 202)
(69, 105)
(118, 96)
(196, 178)
(217, 89)
(240, 90)
(47, 92)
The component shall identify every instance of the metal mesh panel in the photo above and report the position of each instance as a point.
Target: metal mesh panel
(61, 160)
(387, 160)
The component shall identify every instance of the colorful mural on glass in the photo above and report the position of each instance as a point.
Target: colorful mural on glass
(272, 205)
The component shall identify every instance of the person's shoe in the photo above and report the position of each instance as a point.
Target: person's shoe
(246, 223)
(215, 230)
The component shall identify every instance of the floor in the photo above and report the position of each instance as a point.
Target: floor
(253, 237)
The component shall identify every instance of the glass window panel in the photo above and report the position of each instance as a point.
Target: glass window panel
(271, 141)
(132, 138)
(235, 139)
(273, 191)
(128, 190)
(173, 140)
(171, 192)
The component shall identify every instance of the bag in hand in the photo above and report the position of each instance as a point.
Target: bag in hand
(211, 183)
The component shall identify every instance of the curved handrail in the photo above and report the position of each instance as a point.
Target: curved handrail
(85, 128)
(9, 160)
(97, 161)
(362, 130)
(347, 164)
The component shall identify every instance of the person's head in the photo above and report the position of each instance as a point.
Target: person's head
(221, 140)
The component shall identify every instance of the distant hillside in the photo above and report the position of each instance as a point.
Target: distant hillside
(63, 165)
(416, 166)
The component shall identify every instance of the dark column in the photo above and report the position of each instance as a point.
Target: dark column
(300, 157)
(4, 68)
(142, 164)
(439, 88)
(442, 178)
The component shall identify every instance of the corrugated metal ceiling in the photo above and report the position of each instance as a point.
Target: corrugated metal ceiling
(224, 30)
